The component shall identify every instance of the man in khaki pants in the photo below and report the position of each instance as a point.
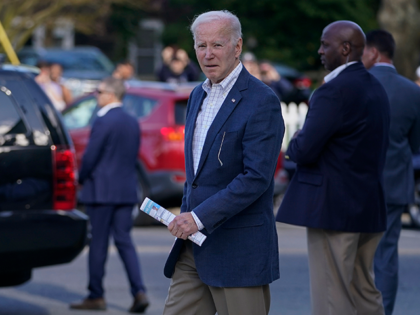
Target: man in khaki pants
(337, 189)
(233, 134)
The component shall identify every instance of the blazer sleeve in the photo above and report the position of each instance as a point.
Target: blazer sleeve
(324, 118)
(261, 145)
(97, 141)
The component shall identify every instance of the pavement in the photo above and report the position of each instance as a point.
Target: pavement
(52, 288)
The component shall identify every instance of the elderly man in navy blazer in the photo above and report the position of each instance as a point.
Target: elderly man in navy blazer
(404, 139)
(108, 176)
(337, 190)
(233, 135)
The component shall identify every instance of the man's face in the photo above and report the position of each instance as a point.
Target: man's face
(330, 50)
(103, 96)
(216, 53)
(369, 57)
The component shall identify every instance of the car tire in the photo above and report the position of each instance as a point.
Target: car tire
(15, 278)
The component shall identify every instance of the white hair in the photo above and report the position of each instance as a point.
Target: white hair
(223, 15)
(418, 72)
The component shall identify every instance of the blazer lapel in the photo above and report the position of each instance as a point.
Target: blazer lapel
(231, 101)
(195, 103)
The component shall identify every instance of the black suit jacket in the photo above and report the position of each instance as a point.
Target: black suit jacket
(108, 172)
(340, 156)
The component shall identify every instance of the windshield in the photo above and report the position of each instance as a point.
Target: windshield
(79, 60)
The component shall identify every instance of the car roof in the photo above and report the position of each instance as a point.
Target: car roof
(161, 88)
(20, 68)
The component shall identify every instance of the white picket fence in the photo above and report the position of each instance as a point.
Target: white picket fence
(294, 118)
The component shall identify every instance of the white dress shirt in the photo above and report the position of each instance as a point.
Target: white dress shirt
(216, 94)
(337, 71)
(106, 108)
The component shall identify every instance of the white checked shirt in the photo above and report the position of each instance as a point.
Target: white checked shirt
(216, 94)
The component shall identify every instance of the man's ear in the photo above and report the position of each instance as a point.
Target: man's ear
(346, 49)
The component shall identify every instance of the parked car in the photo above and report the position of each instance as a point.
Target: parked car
(39, 225)
(83, 66)
(161, 110)
(301, 83)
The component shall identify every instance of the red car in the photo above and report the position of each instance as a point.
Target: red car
(161, 110)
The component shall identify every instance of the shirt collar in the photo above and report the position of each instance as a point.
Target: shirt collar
(207, 85)
(106, 108)
(385, 64)
(337, 71)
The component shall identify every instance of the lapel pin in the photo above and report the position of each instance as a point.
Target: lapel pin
(233, 100)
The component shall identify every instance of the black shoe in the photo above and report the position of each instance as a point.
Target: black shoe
(90, 304)
(141, 302)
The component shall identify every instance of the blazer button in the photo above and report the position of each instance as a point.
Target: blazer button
(194, 186)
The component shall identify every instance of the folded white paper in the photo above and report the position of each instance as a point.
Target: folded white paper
(162, 215)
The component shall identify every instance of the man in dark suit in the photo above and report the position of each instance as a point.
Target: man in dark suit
(337, 190)
(108, 176)
(404, 139)
(233, 135)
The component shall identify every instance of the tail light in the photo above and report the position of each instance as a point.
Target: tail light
(64, 178)
(173, 133)
(302, 83)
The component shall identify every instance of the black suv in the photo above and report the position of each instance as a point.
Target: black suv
(39, 225)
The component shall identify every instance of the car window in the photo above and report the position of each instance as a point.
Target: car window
(13, 130)
(79, 115)
(138, 106)
(79, 60)
(180, 112)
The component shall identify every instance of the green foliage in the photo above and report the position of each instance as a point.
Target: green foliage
(279, 30)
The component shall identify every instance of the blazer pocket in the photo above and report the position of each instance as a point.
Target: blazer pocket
(244, 220)
(310, 178)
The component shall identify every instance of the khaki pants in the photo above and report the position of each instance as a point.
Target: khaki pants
(188, 295)
(341, 273)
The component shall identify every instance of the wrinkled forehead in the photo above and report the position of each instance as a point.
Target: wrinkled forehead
(217, 29)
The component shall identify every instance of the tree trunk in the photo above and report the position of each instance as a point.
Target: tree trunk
(402, 19)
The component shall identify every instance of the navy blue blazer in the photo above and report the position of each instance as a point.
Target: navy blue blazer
(340, 156)
(404, 134)
(108, 172)
(232, 191)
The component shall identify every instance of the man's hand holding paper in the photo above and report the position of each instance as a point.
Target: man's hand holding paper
(183, 225)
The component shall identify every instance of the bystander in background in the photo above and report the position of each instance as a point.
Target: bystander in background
(177, 66)
(250, 63)
(51, 88)
(337, 189)
(56, 72)
(108, 176)
(124, 71)
(269, 75)
(404, 140)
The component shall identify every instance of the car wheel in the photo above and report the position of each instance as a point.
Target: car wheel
(15, 278)
(141, 218)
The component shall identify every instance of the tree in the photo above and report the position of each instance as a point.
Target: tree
(21, 17)
(279, 30)
(402, 19)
